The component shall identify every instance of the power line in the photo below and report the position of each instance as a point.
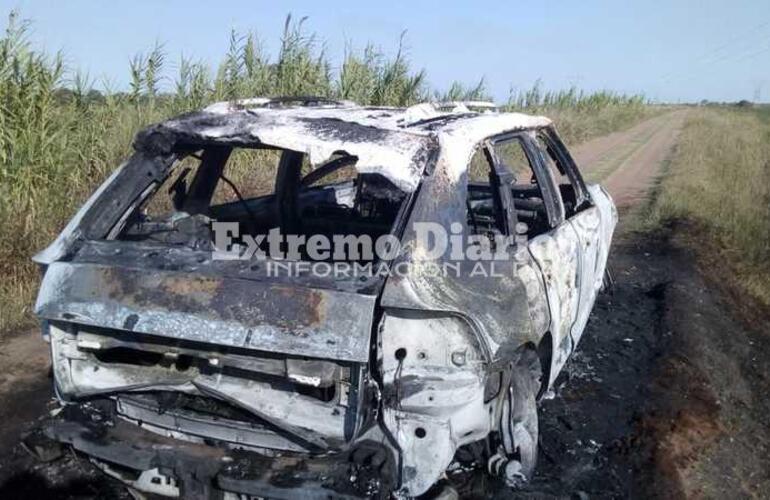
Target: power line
(741, 57)
(713, 56)
(740, 36)
(736, 58)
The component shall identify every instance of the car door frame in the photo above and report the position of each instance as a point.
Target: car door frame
(587, 224)
(556, 252)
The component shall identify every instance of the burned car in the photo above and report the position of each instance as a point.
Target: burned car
(186, 366)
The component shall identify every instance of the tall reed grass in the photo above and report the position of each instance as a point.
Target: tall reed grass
(59, 136)
(581, 115)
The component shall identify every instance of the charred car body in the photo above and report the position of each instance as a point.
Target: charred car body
(186, 375)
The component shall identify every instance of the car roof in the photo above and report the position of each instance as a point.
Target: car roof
(420, 119)
(387, 140)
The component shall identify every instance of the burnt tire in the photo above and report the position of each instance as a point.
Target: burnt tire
(519, 420)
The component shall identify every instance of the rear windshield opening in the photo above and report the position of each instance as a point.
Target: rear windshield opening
(263, 190)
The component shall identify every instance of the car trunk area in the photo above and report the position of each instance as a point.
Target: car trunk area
(200, 393)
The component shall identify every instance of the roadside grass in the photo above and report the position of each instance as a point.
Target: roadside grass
(581, 115)
(60, 137)
(715, 190)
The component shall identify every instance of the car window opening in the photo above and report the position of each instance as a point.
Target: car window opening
(262, 190)
(485, 216)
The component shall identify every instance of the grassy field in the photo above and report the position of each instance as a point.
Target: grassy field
(716, 187)
(59, 137)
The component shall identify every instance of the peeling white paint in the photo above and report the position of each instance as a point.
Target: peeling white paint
(460, 139)
(394, 157)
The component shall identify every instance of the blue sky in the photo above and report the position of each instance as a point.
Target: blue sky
(670, 50)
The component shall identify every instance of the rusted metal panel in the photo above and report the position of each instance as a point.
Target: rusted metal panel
(211, 309)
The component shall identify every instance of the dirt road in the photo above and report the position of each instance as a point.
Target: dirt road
(627, 163)
(664, 397)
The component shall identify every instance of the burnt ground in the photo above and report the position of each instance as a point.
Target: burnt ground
(666, 396)
(590, 440)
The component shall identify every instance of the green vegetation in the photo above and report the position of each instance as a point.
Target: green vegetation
(580, 115)
(717, 183)
(59, 137)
